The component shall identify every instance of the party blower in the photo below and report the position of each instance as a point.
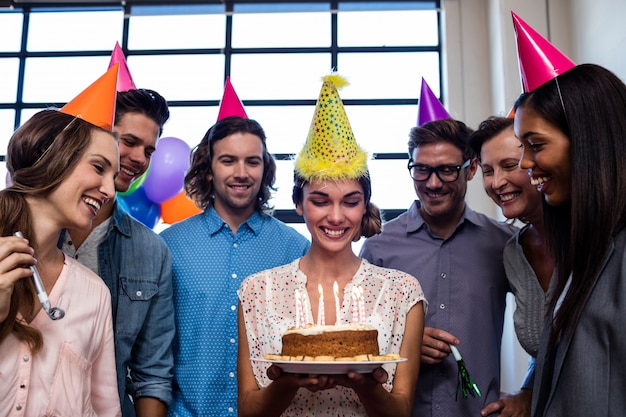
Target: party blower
(466, 383)
(55, 313)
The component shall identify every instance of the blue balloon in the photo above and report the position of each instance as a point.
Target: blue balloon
(141, 207)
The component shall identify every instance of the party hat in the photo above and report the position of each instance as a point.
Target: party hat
(125, 80)
(230, 104)
(430, 108)
(539, 60)
(330, 151)
(96, 103)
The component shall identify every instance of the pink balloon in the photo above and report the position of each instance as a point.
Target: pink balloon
(170, 162)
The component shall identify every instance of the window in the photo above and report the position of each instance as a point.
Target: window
(275, 53)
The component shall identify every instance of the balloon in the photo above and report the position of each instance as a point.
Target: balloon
(141, 208)
(170, 162)
(135, 184)
(178, 208)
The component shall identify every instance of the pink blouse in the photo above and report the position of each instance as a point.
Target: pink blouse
(74, 374)
(268, 303)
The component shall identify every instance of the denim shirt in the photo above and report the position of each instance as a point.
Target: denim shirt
(136, 265)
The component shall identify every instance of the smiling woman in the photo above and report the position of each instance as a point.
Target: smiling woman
(62, 170)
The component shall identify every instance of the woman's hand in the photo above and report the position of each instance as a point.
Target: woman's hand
(15, 258)
(311, 382)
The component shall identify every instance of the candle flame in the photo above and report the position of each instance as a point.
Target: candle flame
(336, 288)
(320, 289)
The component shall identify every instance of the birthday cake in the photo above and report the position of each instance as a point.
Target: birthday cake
(348, 341)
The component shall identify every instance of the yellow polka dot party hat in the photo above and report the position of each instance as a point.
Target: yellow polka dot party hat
(331, 151)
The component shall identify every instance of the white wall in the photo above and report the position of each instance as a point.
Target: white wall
(481, 78)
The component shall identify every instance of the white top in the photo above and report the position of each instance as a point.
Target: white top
(269, 309)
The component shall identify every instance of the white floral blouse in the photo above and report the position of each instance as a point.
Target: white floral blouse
(269, 309)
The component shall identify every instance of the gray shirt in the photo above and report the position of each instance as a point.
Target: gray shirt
(463, 278)
(530, 299)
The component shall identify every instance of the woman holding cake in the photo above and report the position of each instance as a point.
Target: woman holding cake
(332, 192)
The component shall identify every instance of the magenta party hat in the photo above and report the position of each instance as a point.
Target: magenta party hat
(230, 104)
(539, 60)
(430, 108)
(125, 80)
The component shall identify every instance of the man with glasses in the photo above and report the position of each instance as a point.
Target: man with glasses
(456, 253)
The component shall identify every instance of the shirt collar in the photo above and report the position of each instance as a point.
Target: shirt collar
(416, 222)
(216, 223)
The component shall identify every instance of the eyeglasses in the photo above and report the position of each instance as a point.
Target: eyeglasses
(446, 173)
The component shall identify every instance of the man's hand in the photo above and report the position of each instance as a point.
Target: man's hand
(510, 405)
(436, 345)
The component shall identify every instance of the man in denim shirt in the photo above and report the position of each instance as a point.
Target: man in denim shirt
(135, 264)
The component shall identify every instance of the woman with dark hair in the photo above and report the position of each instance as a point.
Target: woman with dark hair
(332, 191)
(62, 171)
(572, 129)
(528, 264)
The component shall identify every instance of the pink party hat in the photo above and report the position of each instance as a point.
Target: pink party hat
(96, 103)
(230, 104)
(125, 80)
(539, 60)
(430, 108)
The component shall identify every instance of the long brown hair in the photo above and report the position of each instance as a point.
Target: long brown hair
(40, 155)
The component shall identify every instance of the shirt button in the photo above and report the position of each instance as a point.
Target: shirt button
(231, 409)
(442, 306)
(443, 275)
(19, 407)
(231, 374)
(26, 358)
(138, 293)
(232, 340)
(233, 308)
(234, 275)
(235, 245)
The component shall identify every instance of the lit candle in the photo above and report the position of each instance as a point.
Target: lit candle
(337, 308)
(361, 303)
(355, 311)
(320, 307)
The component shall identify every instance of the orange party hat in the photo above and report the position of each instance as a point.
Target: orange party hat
(539, 60)
(125, 80)
(96, 103)
(230, 104)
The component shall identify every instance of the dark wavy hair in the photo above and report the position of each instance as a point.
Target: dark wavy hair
(197, 185)
(588, 104)
(40, 156)
(443, 130)
(144, 101)
(371, 224)
(487, 130)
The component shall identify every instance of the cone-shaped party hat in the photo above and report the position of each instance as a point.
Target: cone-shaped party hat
(330, 151)
(96, 103)
(125, 80)
(230, 104)
(430, 108)
(539, 60)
